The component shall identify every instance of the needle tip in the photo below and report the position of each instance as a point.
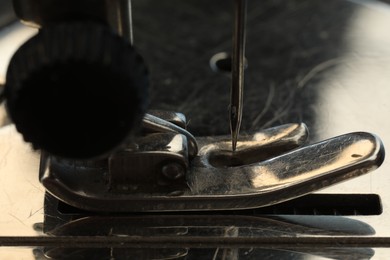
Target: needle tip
(234, 140)
(234, 126)
(234, 145)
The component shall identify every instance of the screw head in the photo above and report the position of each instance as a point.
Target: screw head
(173, 171)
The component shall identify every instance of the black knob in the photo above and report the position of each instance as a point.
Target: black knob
(76, 90)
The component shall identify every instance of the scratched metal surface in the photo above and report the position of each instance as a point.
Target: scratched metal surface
(325, 63)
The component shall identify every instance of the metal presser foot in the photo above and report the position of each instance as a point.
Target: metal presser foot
(166, 169)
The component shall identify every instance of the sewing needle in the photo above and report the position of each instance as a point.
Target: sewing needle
(238, 66)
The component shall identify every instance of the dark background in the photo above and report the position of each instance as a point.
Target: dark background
(286, 40)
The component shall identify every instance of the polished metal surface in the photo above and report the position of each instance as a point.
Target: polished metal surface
(286, 176)
(238, 69)
(127, 20)
(331, 56)
(256, 175)
(214, 228)
(157, 124)
(158, 165)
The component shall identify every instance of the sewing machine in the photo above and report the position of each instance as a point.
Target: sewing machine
(172, 187)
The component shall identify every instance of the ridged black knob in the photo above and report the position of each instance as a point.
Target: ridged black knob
(76, 90)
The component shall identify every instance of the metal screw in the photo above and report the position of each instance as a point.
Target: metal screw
(173, 171)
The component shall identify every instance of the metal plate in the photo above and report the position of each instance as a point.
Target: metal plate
(325, 63)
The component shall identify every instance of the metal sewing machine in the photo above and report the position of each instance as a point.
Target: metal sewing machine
(120, 175)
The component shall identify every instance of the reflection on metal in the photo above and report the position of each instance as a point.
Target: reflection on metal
(189, 228)
(126, 20)
(206, 253)
(260, 173)
(213, 225)
(151, 122)
(119, 16)
(158, 166)
(335, 108)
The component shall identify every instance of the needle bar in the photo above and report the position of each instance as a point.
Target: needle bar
(238, 66)
(126, 20)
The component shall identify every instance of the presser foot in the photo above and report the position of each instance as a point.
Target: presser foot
(166, 169)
